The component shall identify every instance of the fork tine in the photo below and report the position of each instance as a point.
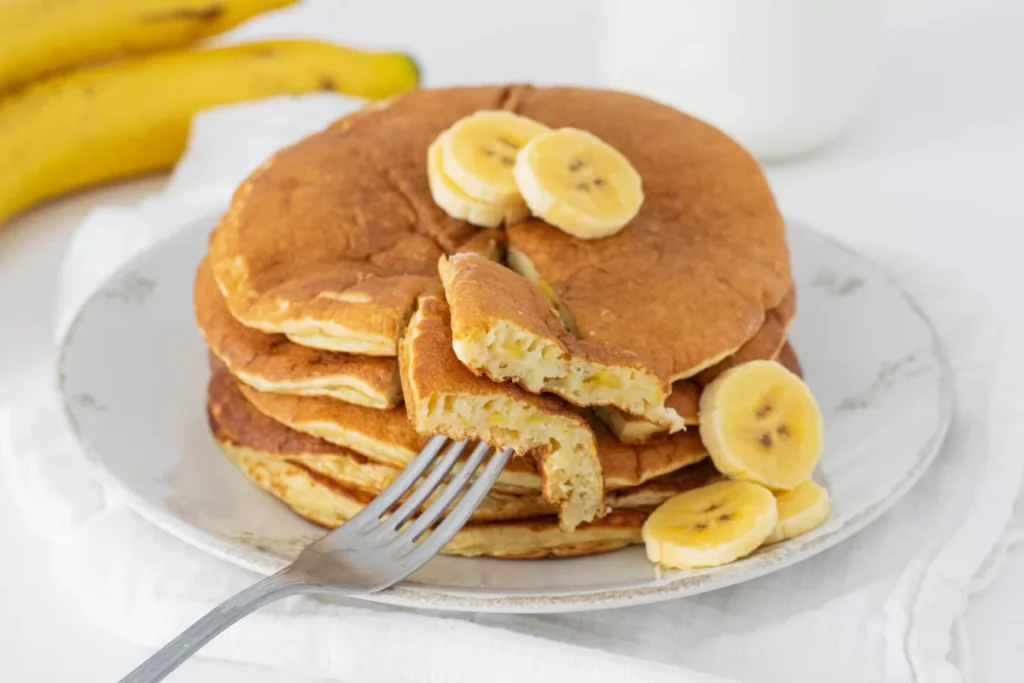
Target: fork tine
(427, 518)
(443, 500)
(423, 491)
(413, 471)
(419, 554)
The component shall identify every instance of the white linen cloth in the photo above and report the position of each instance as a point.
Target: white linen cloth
(883, 606)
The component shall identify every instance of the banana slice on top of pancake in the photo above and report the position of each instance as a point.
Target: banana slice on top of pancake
(577, 182)
(760, 423)
(710, 526)
(479, 153)
(457, 204)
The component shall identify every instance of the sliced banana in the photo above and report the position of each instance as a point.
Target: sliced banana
(800, 510)
(578, 183)
(710, 526)
(458, 204)
(480, 152)
(761, 423)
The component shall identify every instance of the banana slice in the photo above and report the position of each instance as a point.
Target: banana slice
(800, 510)
(480, 153)
(458, 204)
(710, 526)
(760, 423)
(578, 183)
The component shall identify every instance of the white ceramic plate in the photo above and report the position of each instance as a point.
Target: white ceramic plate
(133, 374)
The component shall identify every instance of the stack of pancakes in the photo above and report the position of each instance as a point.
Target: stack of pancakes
(325, 269)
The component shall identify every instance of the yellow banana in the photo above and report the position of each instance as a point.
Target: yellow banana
(107, 122)
(40, 37)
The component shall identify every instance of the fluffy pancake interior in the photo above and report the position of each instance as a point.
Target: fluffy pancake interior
(504, 326)
(442, 396)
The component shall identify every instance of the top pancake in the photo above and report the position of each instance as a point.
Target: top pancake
(331, 241)
(688, 280)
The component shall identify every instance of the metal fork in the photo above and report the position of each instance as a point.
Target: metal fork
(368, 553)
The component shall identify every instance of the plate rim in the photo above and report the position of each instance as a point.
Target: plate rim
(522, 602)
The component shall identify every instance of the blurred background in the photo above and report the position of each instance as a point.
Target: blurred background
(895, 125)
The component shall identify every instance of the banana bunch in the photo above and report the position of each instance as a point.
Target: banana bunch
(497, 168)
(121, 117)
(763, 430)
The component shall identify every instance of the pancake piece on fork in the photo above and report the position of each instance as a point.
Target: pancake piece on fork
(442, 396)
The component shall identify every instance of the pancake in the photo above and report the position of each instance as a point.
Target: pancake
(236, 419)
(685, 395)
(684, 399)
(332, 240)
(765, 345)
(368, 448)
(272, 363)
(653, 493)
(286, 463)
(378, 458)
(688, 281)
(629, 465)
(323, 502)
(504, 327)
(443, 397)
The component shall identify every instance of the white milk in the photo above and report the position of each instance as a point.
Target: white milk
(780, 76)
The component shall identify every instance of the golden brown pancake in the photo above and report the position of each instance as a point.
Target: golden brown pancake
(289, 465)
(687, 282)
(765, 345)
(622, 466)
(685, 395)
(272, 363)
(322, 501)
(384, 436)
(504, 327)
(629, 465)
(443, 397)
(653, 493)
(236, 419)
(331, 241)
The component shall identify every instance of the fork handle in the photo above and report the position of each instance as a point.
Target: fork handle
(172, 655)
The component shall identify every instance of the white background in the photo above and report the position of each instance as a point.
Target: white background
(936, 169)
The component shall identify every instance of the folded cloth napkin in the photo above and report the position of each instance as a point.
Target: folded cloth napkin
(884, 605)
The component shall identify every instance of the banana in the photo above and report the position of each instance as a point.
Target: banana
(800, 510)
(112, 121)
(760, 423)
(710, 526)
(458, 204)
(578, 183)
(38, 38)
(480, 152)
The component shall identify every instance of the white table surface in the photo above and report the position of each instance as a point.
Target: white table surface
(937, 169)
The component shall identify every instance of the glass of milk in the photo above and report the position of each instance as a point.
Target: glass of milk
(783, 77)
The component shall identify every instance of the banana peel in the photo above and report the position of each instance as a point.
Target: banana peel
(113, 121)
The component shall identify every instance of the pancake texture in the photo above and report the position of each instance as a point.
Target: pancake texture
(272, 363)
(444, 397)
(322, 502)
(505, 328)
(334, 238)
(289, 465)
(767, 344)
(371, 469)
